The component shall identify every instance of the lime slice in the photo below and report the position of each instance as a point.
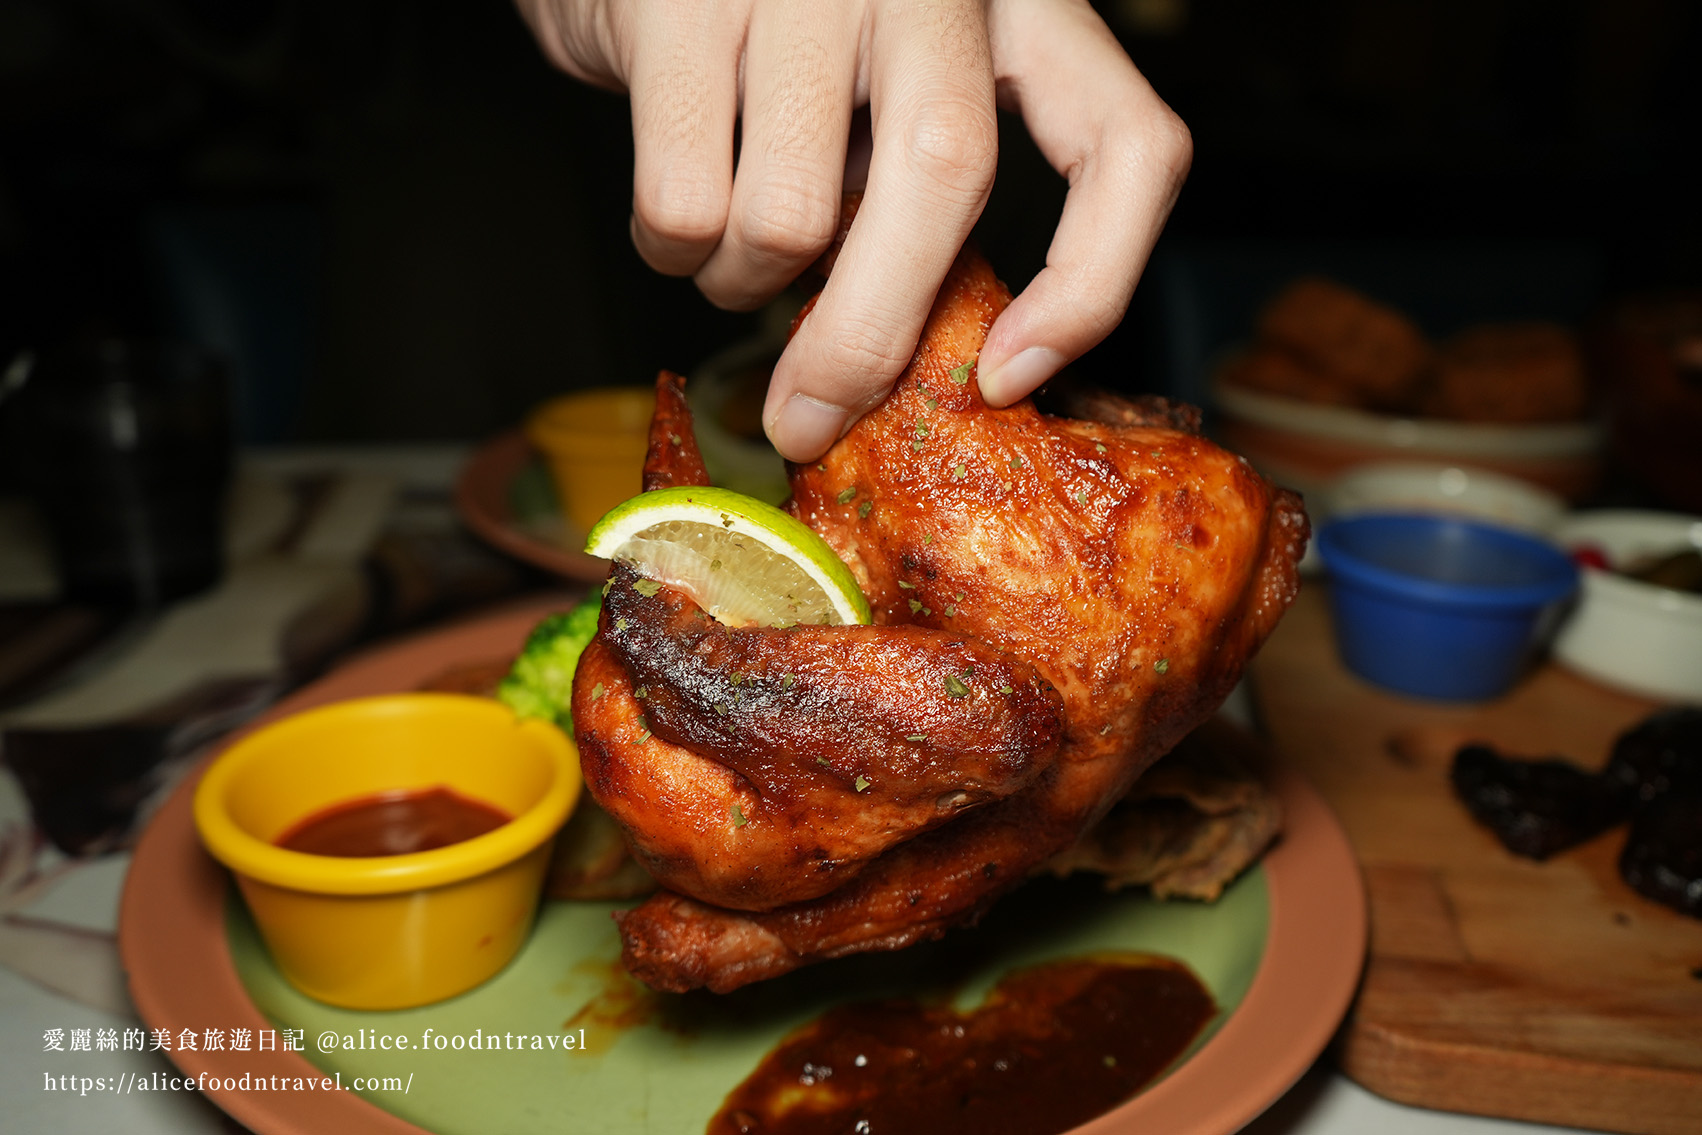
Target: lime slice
(743, 561)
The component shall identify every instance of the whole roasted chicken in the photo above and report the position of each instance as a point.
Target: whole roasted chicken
(1057, 601)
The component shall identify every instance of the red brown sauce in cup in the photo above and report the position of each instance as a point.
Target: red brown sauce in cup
(392, 823)
(1053, 1046)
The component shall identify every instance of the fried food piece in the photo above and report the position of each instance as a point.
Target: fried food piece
(1274, 370)
(1513, 373)
(1368, 354)
(1188, 827)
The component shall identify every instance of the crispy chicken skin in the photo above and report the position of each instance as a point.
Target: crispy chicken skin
(781, 762)
(1116, 571)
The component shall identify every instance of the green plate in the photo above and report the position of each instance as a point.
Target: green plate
(664, 1063)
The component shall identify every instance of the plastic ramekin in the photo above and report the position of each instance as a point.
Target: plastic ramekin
(594, 443)
(389, 932)
(1438, 606)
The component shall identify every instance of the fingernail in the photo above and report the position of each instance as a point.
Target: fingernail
(805, 427)
(1019, 375)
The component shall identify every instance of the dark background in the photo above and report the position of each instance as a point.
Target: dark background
(400, 223)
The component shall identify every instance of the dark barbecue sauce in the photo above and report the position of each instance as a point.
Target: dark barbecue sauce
(393, 823)
(1053, 1046)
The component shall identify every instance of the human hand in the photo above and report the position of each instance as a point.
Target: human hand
(789, 75)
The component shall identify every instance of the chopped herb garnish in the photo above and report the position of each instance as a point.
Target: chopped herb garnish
(951, 612)
(916, 446)
(1004, 689)
(675, 438)
(847, 493)
(644, 724)
(1016, 463)
(958, 596)
(1162, 666)
(646, 587)
(1099, 446)
(932, 403)
(641, 692)
(721, 708)
(907, 585)
(917, 737)
(738, 676)
(608, 583)
(864, 509)
(714, 565)
(956, 686)
(960, 472)
(821, 468)
(786, 681)
(1081, 497)
(960, 375)
(927, 537)
(915, 606)
(596, 691)
(861, 784)
(620, 624)
(823, 762)
(739, 820)
(927, 610)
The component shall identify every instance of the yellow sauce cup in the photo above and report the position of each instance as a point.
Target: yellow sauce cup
(390, 932)
(594, 443)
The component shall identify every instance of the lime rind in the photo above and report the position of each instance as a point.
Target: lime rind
(742, 559)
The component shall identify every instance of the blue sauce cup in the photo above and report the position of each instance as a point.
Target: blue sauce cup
(1437, 606)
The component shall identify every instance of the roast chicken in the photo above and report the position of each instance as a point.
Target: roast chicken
(1057, 602)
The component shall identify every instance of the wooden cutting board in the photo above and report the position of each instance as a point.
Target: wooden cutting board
(1496, 985)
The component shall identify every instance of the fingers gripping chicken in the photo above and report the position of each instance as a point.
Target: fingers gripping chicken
(1104, 580)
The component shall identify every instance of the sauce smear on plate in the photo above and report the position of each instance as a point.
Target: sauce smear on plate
(1053, 1046)
(392, 823)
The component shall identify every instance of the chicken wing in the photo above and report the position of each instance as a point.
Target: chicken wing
(755, 767)
(1116, 571)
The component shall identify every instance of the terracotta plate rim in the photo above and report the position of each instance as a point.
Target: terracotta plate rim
(177, 960)
(481, 500)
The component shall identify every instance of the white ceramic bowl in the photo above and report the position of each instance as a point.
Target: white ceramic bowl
(1453, 490)
(1307, 446)
(1624, 632)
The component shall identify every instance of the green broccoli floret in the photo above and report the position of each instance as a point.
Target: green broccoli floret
(541, 681)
